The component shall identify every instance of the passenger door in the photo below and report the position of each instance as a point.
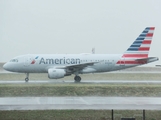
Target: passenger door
(27, 60)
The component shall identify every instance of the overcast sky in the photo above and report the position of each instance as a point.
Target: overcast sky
(76, 26)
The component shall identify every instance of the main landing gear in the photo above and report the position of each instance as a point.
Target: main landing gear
(27, 77)
(77, 78)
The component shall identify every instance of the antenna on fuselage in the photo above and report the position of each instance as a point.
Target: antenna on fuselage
(93, 50)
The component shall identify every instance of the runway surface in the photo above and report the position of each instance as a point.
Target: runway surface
(47, 103)
(83, 81)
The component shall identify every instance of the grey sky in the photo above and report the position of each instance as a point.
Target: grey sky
(75, 26)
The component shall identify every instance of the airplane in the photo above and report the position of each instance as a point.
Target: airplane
(61, 65)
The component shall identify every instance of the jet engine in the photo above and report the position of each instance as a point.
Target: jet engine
(56, 73)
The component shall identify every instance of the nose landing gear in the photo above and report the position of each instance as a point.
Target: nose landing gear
(27, 77)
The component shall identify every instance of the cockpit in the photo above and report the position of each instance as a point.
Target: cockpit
(14, 60)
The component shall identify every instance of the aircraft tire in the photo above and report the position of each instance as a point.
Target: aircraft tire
(26, 79)
(77, 79)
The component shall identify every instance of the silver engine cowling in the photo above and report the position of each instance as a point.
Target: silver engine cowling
(56, 73)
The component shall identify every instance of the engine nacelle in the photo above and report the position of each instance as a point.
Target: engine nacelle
(56, 73)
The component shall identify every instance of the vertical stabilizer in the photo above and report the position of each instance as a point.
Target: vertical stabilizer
(141, 46)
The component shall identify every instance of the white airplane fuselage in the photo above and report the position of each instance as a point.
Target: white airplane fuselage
(28, 63)
(101, 62)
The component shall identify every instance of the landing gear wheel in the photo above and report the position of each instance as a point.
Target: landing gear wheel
(77, 79)
(27, 77)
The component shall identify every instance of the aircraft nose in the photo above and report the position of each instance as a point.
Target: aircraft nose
(5, 66)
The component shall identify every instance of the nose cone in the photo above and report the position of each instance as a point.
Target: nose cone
(6, 67)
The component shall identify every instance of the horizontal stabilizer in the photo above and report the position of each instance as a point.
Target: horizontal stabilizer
(148, 60)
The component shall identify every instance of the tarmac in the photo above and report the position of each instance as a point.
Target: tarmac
(95, 102)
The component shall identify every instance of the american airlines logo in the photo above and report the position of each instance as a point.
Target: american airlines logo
(60, 61)
(34, 60)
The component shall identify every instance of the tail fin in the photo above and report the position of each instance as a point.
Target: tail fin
(141, 46)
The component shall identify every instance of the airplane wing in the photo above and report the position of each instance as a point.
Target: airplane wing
(76, 67)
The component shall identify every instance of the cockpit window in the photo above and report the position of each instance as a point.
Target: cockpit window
(14, 60)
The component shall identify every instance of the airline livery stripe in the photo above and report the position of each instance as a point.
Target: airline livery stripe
(142, 42)
(142, 35)
(137, 52)
(146, 42)
(144, 48)
(137, 42)
(149, 28)
(135, 55)
(146, 35)
(140, 39)
(145, 31)
(135, 45)
(149, 35)
(144, 38)
(133, 49)
(152, 28)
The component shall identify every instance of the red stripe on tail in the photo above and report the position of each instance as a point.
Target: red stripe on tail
(146, 42)
(144, 49)
(152, 28)
(149, 35)
(135, 55)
